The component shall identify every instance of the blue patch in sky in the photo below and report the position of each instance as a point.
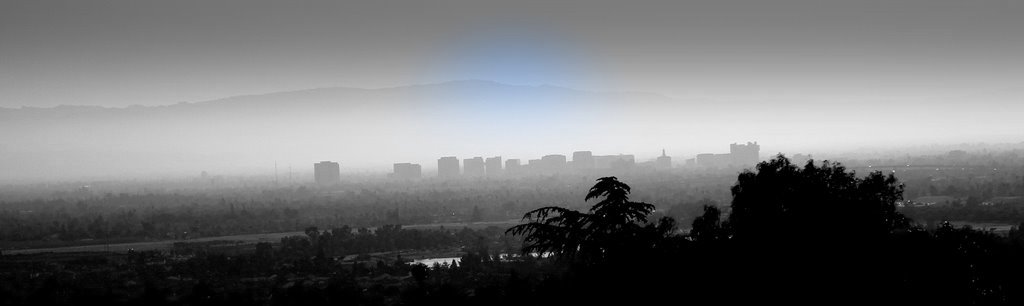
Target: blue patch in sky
(514, 55)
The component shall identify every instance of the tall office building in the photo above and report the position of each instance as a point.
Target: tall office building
(551, 164)
(407, 171)
(513, 167)
(582, 160)
(745, 155)
(533, 167)
(448, 167)
(326, 172)
(739, 156)
(664, 162)
(493, 166)
(473, 167)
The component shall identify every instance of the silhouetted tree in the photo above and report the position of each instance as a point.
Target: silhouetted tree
(783, 200)
(313, 233)
(556, 230)
(613, 226)
(419, 272)
(616, 210)
(810, 232)
(710, 227)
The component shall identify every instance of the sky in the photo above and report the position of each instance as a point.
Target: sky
(796, 75)
(144, 52)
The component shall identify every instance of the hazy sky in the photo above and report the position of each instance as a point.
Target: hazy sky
(118, 53)
(810, 76)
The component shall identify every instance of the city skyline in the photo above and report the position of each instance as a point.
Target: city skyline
(739, 156)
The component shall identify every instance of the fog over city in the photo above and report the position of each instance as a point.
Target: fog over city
(171, 88)
(368, 130)
(467, 152)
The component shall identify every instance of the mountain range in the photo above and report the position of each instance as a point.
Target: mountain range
(369, 129)
(352, 125)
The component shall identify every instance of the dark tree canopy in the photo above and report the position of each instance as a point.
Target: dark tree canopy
(616, 210)
(783, 200)
(710, 227)
(614, 226)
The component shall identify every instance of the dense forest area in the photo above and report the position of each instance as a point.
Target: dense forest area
(791, 234)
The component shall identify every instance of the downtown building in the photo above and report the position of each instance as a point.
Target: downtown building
(552, 164)
(492, 166)
(739, 156)
(474, 167)
(326, 172)
(663, 162)
(513, 167)
(407, 171)
(448, 167)
(582, 161)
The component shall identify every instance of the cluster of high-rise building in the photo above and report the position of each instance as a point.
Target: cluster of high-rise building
(740, 155)
(449, 167)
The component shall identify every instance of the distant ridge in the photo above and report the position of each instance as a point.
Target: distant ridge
(373, 125)
(465, 84)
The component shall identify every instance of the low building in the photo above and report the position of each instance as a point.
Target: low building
(327, 172)
(407, 171)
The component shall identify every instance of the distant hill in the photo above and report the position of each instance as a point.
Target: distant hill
(347, 124)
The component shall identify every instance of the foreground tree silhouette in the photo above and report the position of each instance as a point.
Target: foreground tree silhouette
(782, 200)
(611, 229)
(709, 227)
(810, 232)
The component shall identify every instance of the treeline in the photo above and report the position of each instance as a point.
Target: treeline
(1000, 213)
(977, 186)
(346, 241)
(299, 270)
(183, 222)
(156, 216)
(147, 217)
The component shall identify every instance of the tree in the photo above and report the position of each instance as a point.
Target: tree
(710, 227)
(419, 272)
(616, 210)
(314, 235)
(811, 232)
(782, 200)
(612, 227)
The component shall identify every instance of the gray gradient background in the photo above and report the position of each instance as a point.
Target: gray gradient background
(118, 53)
